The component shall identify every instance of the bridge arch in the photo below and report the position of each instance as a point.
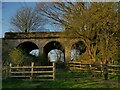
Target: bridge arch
(77, 49)
(27, 46)
(51, 46)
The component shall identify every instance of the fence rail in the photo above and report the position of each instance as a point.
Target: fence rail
(32, 72)
(112, 69)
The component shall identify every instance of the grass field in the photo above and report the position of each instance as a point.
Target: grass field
(66, 79)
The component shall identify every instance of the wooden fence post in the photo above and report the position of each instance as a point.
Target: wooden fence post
(74, 65)
(6, 72)
(32, 65)
(90, 67)
(17, 67)
(53, 70)
(80, 65)
(106, 71)
(10, 70)
(101, 67)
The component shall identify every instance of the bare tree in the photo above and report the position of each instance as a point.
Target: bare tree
(57, 11)
(26, 20)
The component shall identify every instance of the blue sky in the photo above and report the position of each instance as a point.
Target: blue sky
(8, 10)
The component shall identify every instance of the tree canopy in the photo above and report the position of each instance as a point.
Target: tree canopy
(96, 23)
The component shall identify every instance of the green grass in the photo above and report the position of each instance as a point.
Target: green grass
(66, 79)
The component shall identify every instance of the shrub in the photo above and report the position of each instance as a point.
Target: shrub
(16, 56)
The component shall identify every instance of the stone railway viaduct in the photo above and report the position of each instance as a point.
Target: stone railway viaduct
(44, 41)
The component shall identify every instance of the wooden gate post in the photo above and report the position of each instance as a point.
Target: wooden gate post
(10, 70)
(53, 70)
(32, 66)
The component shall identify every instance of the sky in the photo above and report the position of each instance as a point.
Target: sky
(9, 10)
(52, 55)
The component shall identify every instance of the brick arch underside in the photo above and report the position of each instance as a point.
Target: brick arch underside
(27, 46)
(53, 45)
(79, 44)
